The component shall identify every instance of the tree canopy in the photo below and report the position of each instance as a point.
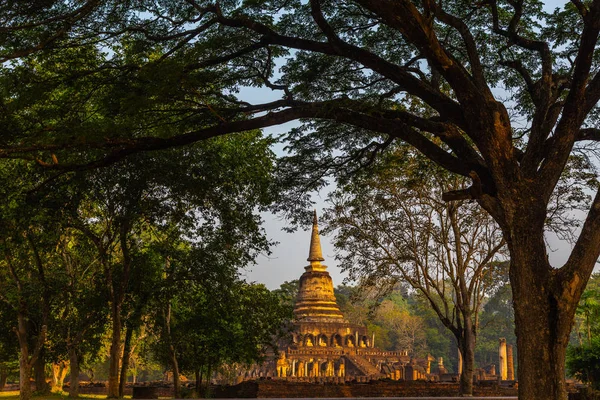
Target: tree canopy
(362, 74)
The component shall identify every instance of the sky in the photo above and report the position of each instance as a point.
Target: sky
(288, 258)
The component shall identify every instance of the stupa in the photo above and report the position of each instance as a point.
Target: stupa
(324, 345)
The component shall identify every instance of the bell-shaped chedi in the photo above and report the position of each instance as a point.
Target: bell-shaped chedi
(316, 300)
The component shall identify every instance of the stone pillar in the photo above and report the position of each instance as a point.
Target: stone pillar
(510, 363)
(460, 362)
(293, 367)
(373, 341)
(441, 368)
(502, 361)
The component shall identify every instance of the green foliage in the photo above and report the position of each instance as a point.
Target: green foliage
(288, 292)
(497, 321)
(219, 321)
(587, 318)
(583, 362)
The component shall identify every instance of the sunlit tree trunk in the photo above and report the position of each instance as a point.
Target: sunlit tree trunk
(59, 372)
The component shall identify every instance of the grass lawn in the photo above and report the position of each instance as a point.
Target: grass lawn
(14, 395)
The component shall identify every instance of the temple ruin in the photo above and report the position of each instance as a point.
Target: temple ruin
(324, 346)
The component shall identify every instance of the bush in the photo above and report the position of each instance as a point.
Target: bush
(583, 362)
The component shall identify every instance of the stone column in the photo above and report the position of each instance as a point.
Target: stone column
(503, 365)
(510, 364)
(441, 368)
(460, 362)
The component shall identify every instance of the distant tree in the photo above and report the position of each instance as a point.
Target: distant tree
(29, 281)
(392, 226)
(408, 330)
(583, 356)
(588, 313)
(79, 315)
(219, 321)
(583, 362)
(131, 210)
(288, 292)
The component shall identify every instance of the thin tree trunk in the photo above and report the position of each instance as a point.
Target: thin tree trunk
(208, 376)
(176, 381)
(198, 382)
(467, 349)
(115, 353)
(74, 378)
(172, 352)
(126, 357)
(3, 377)
(39, 370)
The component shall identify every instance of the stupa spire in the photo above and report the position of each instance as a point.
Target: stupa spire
(316, 298)
(315, 255)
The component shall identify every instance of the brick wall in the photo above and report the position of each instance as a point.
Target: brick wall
(281, 389)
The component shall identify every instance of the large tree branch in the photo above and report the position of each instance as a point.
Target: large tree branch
(404, 16)
(592, 96)
(399, 126)
(469, 41)
(573, 114)
(541, 47)
(576, 271)
(445, 106)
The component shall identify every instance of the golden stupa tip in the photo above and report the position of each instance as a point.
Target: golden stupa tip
(315, 253)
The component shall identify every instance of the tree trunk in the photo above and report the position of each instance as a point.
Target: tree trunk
(208, 379)
(542, 345)
(26, 361)
(126, 357)
(74, 378)
(39, 369)
(24, 376)
(115, 353)
(467, 349)
(544, 316)
(3, 377)
(59, 372)
(176, 381)
(198, 382)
